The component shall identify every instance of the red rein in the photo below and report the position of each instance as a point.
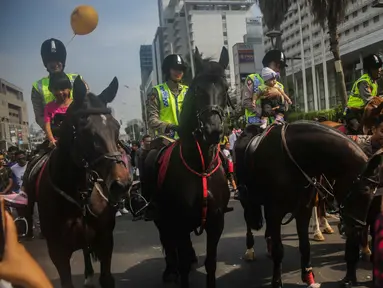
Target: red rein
(204, 177)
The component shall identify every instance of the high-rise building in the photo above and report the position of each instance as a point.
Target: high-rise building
(206, 24)
(248, 55)
(360, 35)
(146, 61)
(14, 130)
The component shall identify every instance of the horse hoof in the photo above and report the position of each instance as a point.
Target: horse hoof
(89, 283)
(328, 230)
(249, 255)
(346, 283)
(169, 276)
(277, 284)
(318, 237)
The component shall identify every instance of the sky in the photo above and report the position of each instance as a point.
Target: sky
(112, 49)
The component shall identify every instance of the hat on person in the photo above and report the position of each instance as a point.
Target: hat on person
(268, 74)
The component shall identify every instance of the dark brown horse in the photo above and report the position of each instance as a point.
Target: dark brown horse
(80, 184)
(193, 192)
(278, 170)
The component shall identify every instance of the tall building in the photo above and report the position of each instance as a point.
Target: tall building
(146, 61)
(14, 129)
(248, 55)
(208, 25)
(360, 35)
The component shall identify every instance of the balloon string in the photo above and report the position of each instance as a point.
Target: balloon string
(71, 40)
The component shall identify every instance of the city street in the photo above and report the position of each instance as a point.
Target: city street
(138, 260)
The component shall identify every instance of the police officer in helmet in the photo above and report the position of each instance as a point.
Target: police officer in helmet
(275, 60)
(165, 103)
(53, 54)
(366, 87)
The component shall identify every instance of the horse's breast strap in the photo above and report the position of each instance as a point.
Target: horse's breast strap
(163, 163)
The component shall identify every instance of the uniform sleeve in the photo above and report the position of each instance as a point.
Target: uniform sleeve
(38, 104)
(47, 116)
(365, 91)
(154, 114)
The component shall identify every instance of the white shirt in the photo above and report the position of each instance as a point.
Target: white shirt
(227, 154)
(232, 139)
(18, 171)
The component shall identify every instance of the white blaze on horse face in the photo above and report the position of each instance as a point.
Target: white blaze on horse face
(103, 117)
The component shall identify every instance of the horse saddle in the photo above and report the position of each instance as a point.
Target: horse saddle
(257, 139)
(34, 167)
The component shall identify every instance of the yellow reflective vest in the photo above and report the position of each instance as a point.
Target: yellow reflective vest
(355, 101)
(42, 86)
(170, 106)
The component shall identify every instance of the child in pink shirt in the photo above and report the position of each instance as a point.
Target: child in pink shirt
(60, 86)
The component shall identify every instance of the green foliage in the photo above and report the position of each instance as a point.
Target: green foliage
(331, 115)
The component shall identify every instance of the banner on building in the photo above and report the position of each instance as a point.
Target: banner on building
(246, 56)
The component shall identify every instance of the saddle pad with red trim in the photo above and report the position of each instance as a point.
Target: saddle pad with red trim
(163, 163)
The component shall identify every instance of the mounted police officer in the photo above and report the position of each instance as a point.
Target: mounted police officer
(275, 60)
(366, 87)
(53, 54)
(165, 103)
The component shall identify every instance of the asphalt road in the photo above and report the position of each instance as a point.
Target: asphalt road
(138, 260)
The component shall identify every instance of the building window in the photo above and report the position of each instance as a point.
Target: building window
(376, 19)
(346, 18)
(364, 9)
(225, 42)
(224, 33)
(355, 14)
(347, 32)
(365, 24)
(356, 28)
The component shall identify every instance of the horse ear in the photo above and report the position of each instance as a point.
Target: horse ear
(108, 95)
(224, 58)
(373, 163)
(79, 90)
(198, 62)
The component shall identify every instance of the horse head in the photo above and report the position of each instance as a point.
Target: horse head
(204, 105)
(90, 134)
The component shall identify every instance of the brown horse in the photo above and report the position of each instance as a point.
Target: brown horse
(81, 183)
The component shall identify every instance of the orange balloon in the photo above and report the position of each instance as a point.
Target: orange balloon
(84, 20)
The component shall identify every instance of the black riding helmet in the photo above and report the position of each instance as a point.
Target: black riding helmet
(274, 56)
(53, 50)
(372, 61)
(173, 61)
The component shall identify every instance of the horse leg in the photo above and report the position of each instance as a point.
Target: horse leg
(366, 252)
(277, 251)
(214, 230)
(104, 251)
(318, 236)
(302, 224)
(250, 254)
(269, 244)
(169, 245)
(184, 258)
(351, 258)
(322, 218)
(61, 259)
(89, 272)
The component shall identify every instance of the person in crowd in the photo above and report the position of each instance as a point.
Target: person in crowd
(126, 158)
(6, 179)
(227, 153)
(232, 138)
(134, 153)
(11, 156)
(18, 169)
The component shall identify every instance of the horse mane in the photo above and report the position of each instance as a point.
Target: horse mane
(354, 146)
(210, 72)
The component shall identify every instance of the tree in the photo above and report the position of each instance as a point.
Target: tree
(332, 13)
(274, 12)
(188, 77)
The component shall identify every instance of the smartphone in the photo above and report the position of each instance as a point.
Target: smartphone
(2, 228)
